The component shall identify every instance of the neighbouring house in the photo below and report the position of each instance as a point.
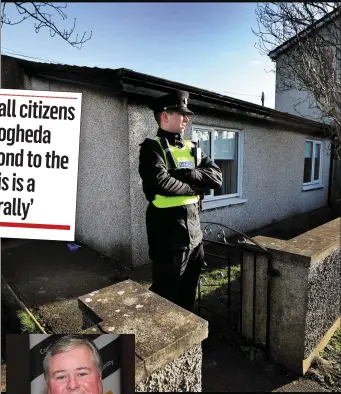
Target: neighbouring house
(298, 101)
(262, 153)
(302, 103)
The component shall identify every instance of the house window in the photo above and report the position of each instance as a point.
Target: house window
(224, 147)
(312, 163)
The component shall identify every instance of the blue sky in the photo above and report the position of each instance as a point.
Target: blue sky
(207, 45)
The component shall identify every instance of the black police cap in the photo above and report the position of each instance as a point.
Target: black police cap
(175, 101)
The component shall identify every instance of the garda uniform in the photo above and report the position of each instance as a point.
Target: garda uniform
(183, 158)
(173, 179)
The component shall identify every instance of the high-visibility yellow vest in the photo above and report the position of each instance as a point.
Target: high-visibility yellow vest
(183, 159)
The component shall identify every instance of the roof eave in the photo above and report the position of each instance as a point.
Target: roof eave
(117, 81)
(269, 115)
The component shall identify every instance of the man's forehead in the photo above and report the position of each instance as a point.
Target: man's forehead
(79, 348)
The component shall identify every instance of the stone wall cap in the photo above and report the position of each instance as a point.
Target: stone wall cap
(163, 331)
(308, 247)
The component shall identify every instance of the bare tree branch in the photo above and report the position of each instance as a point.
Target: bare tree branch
(308, 55)
(43, 13)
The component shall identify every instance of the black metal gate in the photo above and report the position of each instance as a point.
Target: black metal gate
(232, 252)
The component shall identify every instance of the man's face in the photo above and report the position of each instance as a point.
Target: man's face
(74, 372)
(175, 122)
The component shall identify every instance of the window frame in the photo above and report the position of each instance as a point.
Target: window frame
(313, 184)
(211, 201)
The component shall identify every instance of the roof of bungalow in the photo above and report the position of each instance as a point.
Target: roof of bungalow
(136, 85)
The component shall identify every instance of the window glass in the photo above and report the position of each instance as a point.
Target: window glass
(308, 155)
(222, 147)
(226, 158)
(317, 162)
(204, 137)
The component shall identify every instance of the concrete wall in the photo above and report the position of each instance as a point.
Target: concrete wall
(295, 102)
(288, 302)
(324, 299)
(141, 125)
(168, 339)
(305, 297)
(103, 205)
(181, 375)
(288, 312)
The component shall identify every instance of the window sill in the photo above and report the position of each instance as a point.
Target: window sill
(222, 202)
(307, 188)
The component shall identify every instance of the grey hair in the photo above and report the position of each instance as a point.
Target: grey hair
(68, 343)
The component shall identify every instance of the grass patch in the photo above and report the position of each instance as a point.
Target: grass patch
(326, 367)
(214, 287)
(14, 320)
(215, 294)
(334, 345)
(217, 279)
(27, 325)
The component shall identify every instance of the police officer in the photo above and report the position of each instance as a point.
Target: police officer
(174, 177)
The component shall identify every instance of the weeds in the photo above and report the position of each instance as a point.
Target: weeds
(27, 325)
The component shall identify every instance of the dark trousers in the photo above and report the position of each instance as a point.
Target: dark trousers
(176, 273)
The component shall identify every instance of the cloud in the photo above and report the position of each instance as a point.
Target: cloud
(256, 62)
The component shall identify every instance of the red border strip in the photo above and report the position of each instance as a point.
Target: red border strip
(36, 225)
(25, 95)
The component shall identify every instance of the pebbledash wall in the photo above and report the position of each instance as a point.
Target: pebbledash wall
(110, 202)
(103, 212)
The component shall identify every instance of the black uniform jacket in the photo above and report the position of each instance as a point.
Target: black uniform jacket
(176, 228)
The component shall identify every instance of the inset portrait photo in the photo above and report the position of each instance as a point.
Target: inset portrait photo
(78, 364)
